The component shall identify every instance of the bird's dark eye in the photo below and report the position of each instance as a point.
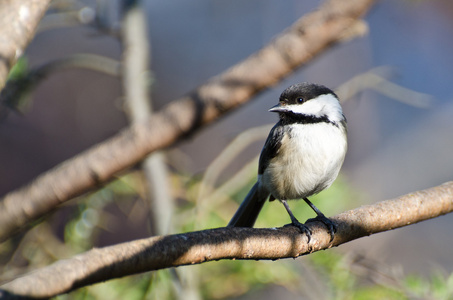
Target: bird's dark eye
(300, 100)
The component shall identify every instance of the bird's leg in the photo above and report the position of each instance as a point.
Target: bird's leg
(295, 222)
(331, 226)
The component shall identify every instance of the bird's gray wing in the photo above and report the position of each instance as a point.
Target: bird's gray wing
(271, 147)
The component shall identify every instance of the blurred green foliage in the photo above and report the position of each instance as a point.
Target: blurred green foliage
(16, 95)
(19, 70)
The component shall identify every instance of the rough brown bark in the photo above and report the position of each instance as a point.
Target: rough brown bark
(227, 243)
(299, 44)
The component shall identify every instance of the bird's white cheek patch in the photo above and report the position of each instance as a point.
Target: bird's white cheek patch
(323, 105)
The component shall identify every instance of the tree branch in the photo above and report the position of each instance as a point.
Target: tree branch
(18, 23)
(227, 243)
(307, 38)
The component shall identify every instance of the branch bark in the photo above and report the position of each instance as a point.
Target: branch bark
(18, 23)
(307, 38)
(227, 243)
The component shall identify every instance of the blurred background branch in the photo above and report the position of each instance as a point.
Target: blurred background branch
(17, 27)
(15, 95)
(377, 79)
(138, 105)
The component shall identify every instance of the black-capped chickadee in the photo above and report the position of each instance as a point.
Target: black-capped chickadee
(302, 154)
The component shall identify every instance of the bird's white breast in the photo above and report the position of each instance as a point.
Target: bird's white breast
(308, 161)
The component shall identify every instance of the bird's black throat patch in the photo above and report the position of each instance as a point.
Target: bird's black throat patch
(288, 118)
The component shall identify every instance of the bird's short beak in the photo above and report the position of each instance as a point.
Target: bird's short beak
(278, 108)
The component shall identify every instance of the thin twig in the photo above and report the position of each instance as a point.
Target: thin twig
(17, 88)
(376, 79)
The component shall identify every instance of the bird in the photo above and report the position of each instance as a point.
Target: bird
(302, 155)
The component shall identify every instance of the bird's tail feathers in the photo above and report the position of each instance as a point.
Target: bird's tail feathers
(248, 211)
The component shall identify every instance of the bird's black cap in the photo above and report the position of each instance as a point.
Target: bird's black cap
(304, 90)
